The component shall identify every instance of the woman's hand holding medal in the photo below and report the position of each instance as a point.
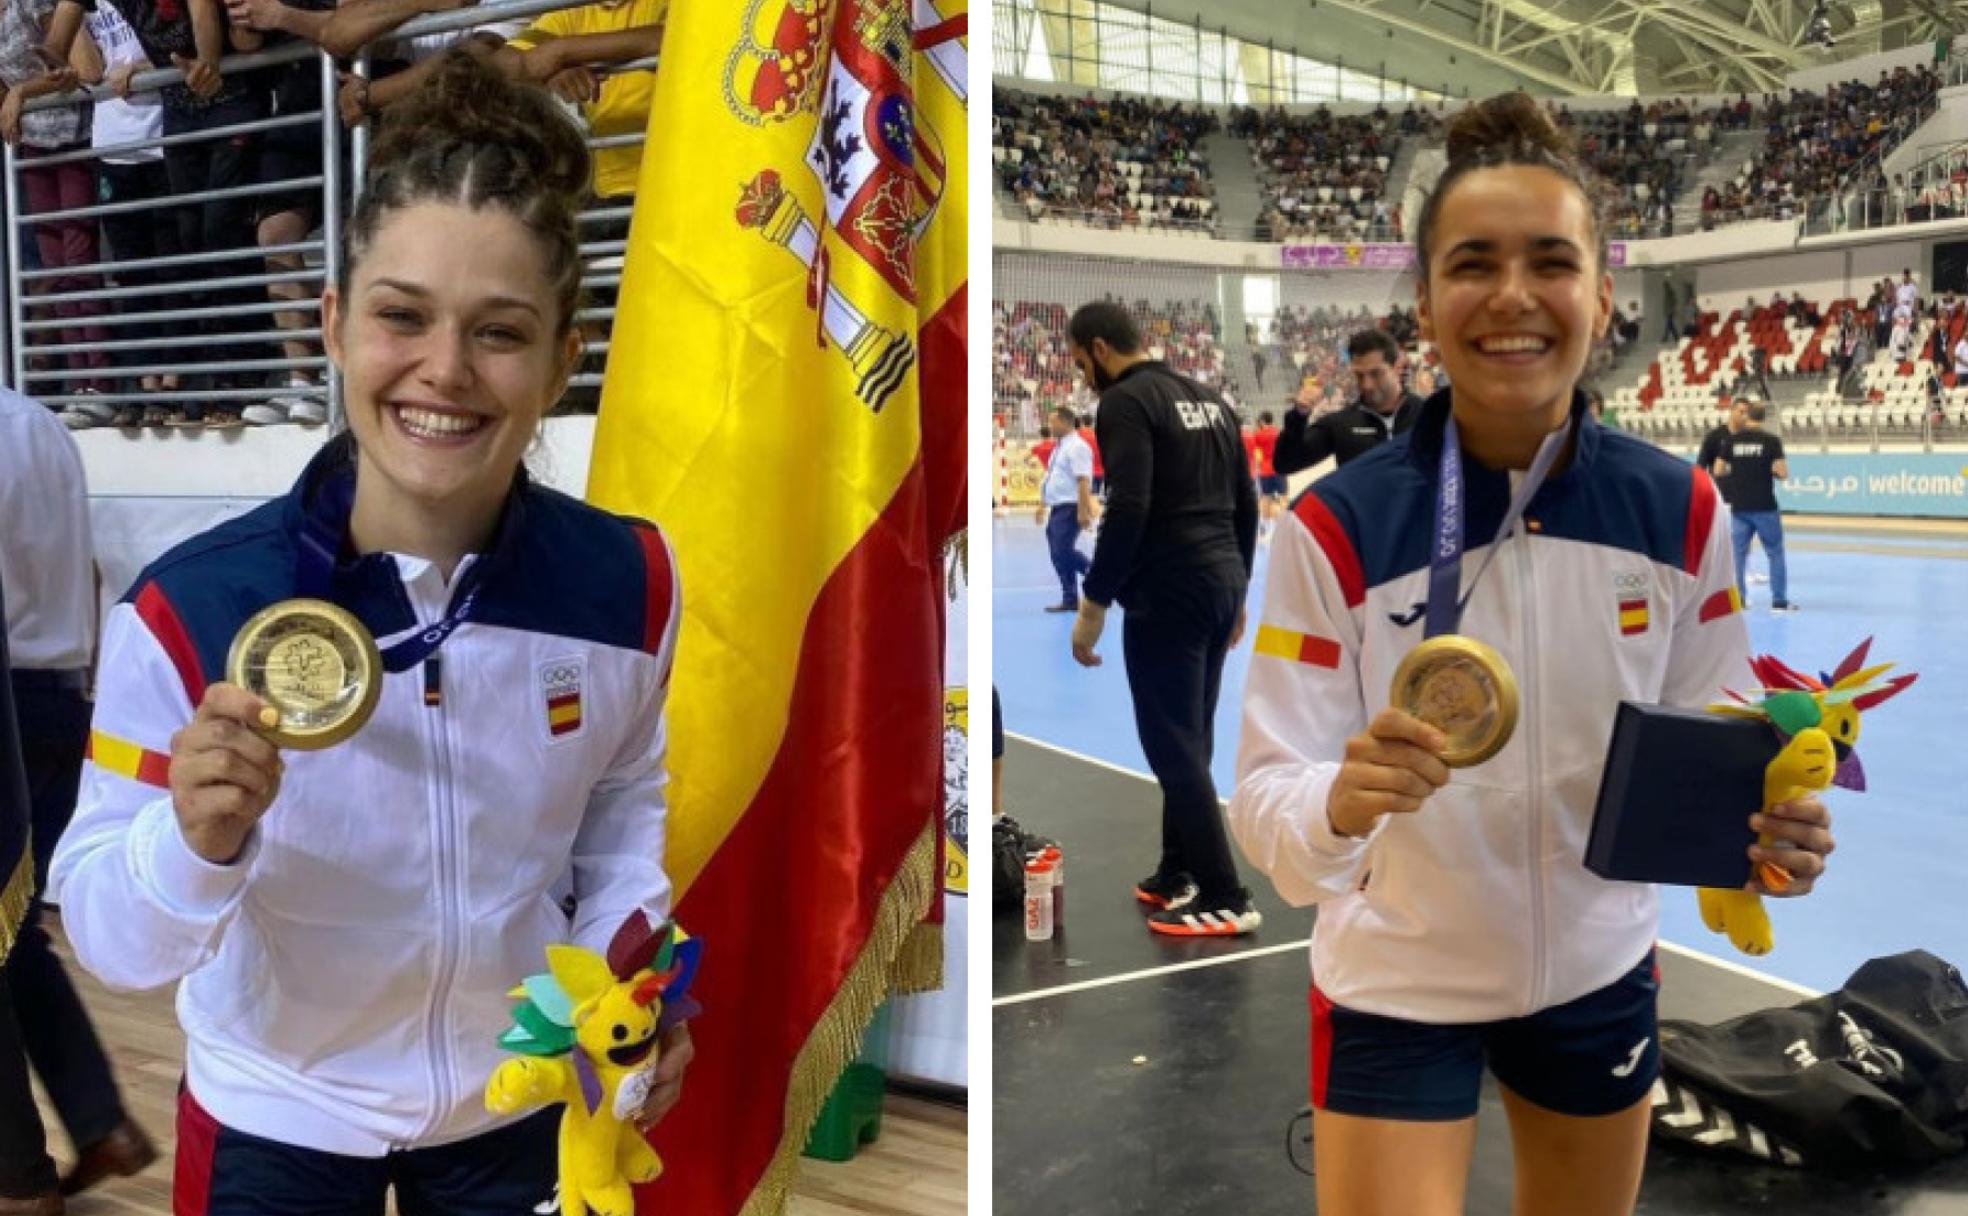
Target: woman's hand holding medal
(224, 773)
(1390, 769)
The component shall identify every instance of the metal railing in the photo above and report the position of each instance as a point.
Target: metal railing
(67, 338)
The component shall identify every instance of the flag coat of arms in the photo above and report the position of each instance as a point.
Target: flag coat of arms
(785, 396)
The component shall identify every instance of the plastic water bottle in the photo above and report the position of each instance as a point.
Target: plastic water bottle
(1056, 858)
(1038, 900)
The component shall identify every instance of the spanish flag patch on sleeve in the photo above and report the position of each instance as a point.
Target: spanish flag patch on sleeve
(1633, 616)
(1297, 647)
(126, 759)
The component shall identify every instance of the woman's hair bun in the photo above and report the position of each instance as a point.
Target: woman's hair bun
(1511, 128)
(467, 104)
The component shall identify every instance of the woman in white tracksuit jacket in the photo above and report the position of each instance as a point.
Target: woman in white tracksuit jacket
(344, 924)
(1457, 926)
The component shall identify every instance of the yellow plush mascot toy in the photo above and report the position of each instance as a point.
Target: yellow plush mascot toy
(1819, 721)
(587, 1036)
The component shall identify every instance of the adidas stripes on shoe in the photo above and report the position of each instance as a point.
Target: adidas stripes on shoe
(1217, 918)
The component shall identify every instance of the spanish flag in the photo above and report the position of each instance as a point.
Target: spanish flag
(785, 397)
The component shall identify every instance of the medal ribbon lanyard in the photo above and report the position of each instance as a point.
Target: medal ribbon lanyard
(322, 538)
(1445, 605)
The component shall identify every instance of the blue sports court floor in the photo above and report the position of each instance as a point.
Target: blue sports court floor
(1137, 1074)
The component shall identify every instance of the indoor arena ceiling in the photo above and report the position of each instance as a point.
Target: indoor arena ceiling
(1576, 46)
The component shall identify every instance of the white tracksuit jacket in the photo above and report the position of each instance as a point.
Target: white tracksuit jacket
(1620, 586)
(343, 982)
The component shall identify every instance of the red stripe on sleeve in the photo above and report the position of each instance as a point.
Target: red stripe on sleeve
(657, 582)
(157, 614)
(155, 769)
(1320, 652)
(1716, 606)
(1332, 539)
(1701, 514)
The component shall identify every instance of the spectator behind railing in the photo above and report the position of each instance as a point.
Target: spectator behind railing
(285, 154)
(1125, 162)
(192, 37)
(25, 68)
(560, 50)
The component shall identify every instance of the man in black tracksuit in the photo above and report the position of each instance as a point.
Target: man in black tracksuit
(1382, 412)
(1176, 551)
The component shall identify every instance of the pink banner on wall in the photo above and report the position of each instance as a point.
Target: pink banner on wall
(1348, 257)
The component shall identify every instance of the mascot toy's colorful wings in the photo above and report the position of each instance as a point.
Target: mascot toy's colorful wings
(586, 1034)
(1819, 723)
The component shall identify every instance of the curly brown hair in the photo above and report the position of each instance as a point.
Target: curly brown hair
(470, 136)
(1510, 129)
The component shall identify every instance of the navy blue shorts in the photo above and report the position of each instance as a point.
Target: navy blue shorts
(1596, 1055)
(224, 1172)
(1271, 486)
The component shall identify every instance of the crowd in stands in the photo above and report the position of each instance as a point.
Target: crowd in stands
(1297, 355)
(571, 52)
(1644, 154)
(1308, 344)
(1821, 151)
(1115, 163)
(1324, 177)
(1029, 359)
(1032, 367)
(1895, 345)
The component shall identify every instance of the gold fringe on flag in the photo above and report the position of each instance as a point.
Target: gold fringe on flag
(15, 897)
(836, 1037)
(919, 968)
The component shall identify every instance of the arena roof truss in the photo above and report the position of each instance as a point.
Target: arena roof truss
(1579, 47)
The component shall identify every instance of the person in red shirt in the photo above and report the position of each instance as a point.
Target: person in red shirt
(1270, 486)
(1099, 473)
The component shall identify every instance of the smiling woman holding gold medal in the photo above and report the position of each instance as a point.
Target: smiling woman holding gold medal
(1423, 736)
(441, 717)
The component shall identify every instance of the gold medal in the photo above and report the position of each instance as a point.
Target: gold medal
(313, 662)
(1462, 688)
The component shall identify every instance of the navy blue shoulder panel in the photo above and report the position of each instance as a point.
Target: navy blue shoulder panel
(575, 571)
(215, 581)
(1630, 495)
(1637, 497)
(1386, 508)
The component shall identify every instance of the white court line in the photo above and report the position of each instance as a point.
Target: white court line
(1124, 977)
(1685, 951)
(1096, 761)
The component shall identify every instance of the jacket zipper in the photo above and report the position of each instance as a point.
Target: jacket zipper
(444, 807)
(1534, 745)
